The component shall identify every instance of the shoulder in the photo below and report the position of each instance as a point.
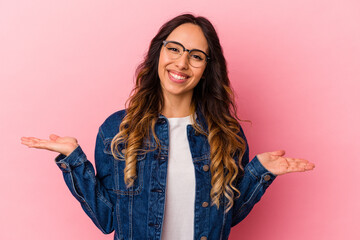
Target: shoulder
(110, 127)
(241, 133)
(115, 117)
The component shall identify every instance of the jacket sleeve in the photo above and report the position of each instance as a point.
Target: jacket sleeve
(252, 186)
(95, 197)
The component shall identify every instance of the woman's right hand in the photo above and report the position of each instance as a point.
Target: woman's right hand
(63, 145)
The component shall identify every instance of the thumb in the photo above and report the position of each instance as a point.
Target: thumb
(53, 137)
(278, 153)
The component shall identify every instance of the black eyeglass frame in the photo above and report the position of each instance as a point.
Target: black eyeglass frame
(207, 59)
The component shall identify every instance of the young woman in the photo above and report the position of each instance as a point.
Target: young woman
(175, 163)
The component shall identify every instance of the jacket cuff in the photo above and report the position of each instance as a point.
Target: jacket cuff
(259, 172)
(66, 163)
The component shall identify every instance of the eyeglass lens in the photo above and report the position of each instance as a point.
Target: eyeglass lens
(196, 58)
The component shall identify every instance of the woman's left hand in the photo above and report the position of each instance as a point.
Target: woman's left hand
(276, 163)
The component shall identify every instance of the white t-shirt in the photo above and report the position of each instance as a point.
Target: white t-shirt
(178, 221)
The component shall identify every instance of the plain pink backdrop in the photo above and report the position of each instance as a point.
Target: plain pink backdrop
(66, 65)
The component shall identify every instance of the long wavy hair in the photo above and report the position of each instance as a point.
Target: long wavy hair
(213, 95)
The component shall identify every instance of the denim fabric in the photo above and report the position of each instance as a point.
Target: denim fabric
(137, 212)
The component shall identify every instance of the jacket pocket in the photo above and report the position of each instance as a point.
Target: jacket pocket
(119, 166)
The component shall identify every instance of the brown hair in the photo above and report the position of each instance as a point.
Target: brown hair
(214, 97)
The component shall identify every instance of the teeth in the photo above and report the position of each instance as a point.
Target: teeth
(176, 76)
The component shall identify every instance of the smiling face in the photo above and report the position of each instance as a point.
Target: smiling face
(177, 77)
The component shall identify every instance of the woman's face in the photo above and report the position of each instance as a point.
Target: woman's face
(172, 71)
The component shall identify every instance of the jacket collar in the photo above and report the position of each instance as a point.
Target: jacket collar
(200, 118)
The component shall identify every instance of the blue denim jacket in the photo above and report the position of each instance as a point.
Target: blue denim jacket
(137, 212)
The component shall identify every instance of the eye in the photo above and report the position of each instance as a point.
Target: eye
(173, 49)
(197, 57)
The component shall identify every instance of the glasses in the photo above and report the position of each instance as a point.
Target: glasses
(197, 58)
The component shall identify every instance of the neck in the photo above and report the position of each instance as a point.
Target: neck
(177, 106)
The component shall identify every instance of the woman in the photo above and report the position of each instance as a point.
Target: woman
(175, 163)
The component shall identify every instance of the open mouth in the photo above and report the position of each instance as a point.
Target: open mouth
(177, 78)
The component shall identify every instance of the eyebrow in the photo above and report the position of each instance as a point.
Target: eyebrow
(187, 48)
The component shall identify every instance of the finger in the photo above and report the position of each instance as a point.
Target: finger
(278, 153)
(296, 160)
(301, 167)
(38, 140)
(305, 164)
(38, 143)
(53, 137)
(24, 139)
(26, 142)
(34, 139)
(66, 139)
(28, 138)
(309, 166)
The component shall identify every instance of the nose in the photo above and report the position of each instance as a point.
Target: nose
(183, 61)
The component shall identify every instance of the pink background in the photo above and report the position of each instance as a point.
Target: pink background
(66, 65)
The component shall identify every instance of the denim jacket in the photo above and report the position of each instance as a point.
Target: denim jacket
(138, 212)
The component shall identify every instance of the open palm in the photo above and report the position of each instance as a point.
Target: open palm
(64, 145)
(276, 163)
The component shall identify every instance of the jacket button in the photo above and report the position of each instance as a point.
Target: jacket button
(267, 177)
(206, 168)
(203, 238)
(63, 165)
(205, 204)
